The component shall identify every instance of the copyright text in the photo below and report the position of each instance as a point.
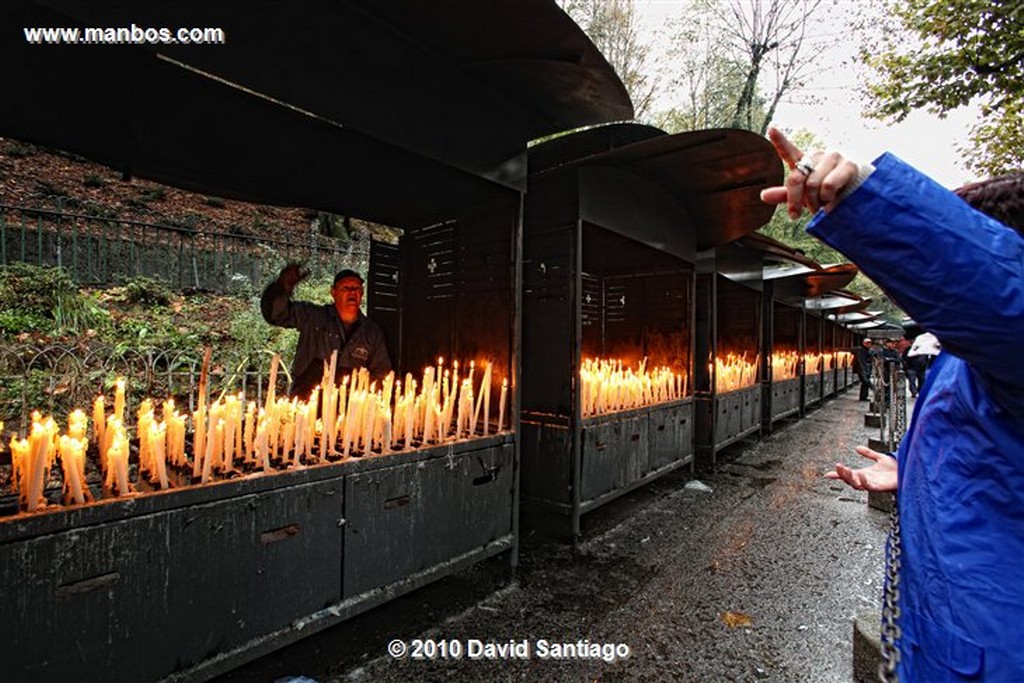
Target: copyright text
(430, 649)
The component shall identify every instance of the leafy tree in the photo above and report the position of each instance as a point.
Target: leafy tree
(612, 26)
(943, 54)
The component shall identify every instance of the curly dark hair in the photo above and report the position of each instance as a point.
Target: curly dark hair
(1001, 198)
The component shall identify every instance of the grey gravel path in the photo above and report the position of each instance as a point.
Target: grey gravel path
(788, 556)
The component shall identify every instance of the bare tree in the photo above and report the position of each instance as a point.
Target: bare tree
(750, 53)
(613, 27)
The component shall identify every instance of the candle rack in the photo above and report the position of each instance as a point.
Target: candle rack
(729, 336)
(783, 325)
(423, 126)
(614, 219)
(813, 387)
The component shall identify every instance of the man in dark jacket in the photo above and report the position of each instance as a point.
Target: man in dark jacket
(324, 328)
(865, 359)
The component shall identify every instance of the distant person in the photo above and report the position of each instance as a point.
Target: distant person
(325, 328)
(902, 345)
(890, 361)
(959, 471)
(864, 366)
(926, 345)
(914, 366)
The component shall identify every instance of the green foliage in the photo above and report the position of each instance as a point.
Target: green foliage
(146, 292)
(47, 188)
(251, 336)
(100, 211)
(76, 313)
(14, 322)
(19, 150)
(940, 55)
(93, 180)
(39, 299)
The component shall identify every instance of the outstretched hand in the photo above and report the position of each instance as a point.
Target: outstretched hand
(817, 189)
(879, 476)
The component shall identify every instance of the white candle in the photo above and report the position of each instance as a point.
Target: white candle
(501, 403)
(119, 398)
(486, 390)
(71, 451)
(99, 420)
(159, 434)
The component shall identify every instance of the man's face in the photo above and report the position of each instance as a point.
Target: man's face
(866, 343)
(348, 296)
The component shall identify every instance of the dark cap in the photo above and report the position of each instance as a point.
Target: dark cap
(348, 272)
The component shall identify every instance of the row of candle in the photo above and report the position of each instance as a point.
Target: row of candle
(733, 371)
(355, 417)
(607, 386)
(785, 366)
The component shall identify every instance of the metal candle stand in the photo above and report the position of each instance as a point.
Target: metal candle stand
(813, 379)
(593, 287)
(782, 325)
(729, 320)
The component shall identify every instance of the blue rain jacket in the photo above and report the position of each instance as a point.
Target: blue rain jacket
(960, 275)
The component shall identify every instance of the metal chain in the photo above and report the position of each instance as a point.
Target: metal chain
(895, 422)
(879, 396)
(889, 391)
(891, 631)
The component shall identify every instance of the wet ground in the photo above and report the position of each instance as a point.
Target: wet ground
(757, 579)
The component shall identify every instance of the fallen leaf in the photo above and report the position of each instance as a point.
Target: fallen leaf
(735, 619)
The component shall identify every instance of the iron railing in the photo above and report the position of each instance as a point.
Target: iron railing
(97, 247)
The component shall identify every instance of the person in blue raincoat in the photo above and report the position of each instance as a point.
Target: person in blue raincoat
(959, 471)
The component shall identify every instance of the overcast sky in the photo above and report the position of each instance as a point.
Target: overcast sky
(923, 140)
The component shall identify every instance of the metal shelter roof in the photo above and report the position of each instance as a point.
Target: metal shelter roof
(715, 175)
(383, 109)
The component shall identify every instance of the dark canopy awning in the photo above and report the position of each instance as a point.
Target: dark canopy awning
(778, 259)
(854, 317)
(715, 175)
(800, 288)
(383, 109)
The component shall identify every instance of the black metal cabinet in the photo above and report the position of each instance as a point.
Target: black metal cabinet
(404, 519)
(812, 390)
(615, 454)
(670, 434)
(209, 577)
(785, 398)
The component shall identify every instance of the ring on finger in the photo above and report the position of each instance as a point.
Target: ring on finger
(805, 166)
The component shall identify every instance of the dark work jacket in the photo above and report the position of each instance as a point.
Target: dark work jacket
(320, 333)
(865, 358)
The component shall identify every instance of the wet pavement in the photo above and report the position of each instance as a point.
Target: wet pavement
(758, 579)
